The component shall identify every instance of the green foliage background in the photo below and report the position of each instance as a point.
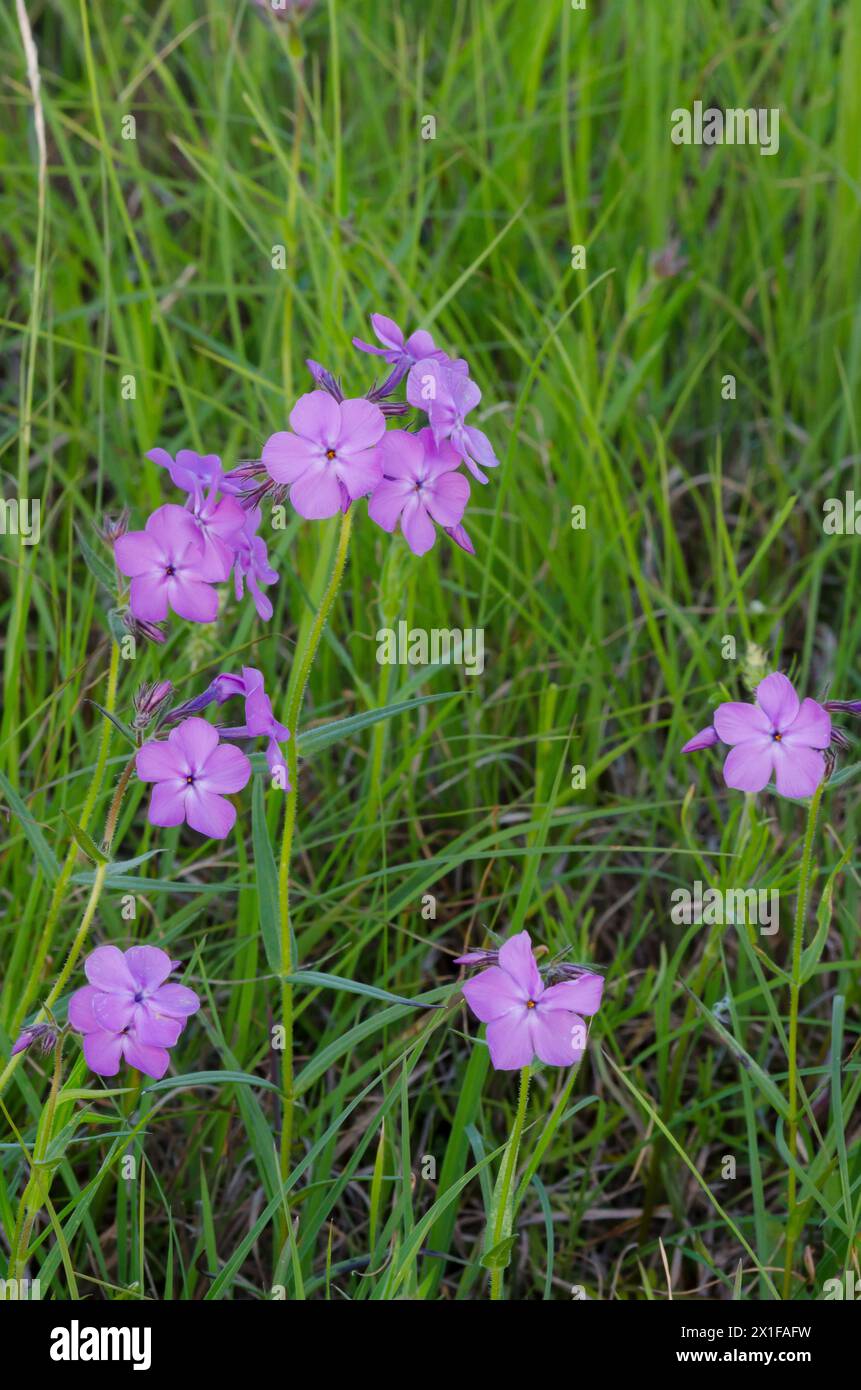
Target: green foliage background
(152, 257)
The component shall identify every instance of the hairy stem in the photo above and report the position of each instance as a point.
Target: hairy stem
(305, 661)
(794, 997)
(501, 1224)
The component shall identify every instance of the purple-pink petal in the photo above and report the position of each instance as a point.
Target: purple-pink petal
(748, 766)
(106, 968)
(510, 1042)
(516, 957)
(492, 994)
(581, 996)
(810, 728)
(776, 696)
(737, 722)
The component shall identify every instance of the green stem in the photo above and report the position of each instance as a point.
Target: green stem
(59, 894)
(794, 997)
(36, 1191)
(503, 1217)
(297, 690)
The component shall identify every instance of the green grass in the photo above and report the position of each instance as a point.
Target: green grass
(150, 258)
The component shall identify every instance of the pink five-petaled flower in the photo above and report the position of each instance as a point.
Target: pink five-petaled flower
(129, 1011)
(524, 1017)
(331, 457)
(419, 486)
(777, 736)
(251, 564)
(194, 773)
(169, 568)
(260, 721)
(448, 397)
(402, 352)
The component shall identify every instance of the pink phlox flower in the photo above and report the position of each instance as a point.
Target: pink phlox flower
(420, 486)
(129, 1011)
(260, 721)
(169, 568)
(448, 397)
(251, 564)
(401, 352)
(194, 773)
(191, 472)
(526, 1018)
(330, 456)
(778, 736)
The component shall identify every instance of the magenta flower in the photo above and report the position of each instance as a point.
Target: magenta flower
(251, 564)
(260, 722)
(330, 455)
(191, 472)
(778, 736)
(193, 773)
(403, 353)
(128, 1011)
(221, 522)
(524, 1017)
(448, 397)
(169, 568)
(419, 486)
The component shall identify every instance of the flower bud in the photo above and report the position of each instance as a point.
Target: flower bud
(148, 701)
(44, 1033)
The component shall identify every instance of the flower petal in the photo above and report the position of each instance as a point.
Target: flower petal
(317, 416)
(403, 454)
(209, 814)
(811, 727)
(156, 1030)
(287, 456)
(446, 499)
(167, 804)
(363, 425)
(148, 598)
(387, 501)
(114, 1012)
(510, 1042)
(106, 969)
(152, 1061)
(156, 761)
(80, 1014)
(517, 959)
(776, 696)
(417, 528)
(103, 1052)
(493, 994)
(149, 965)
(581, 996)
(177, 1001)
(557, 1037)
(227, 770)
(195, 741)
(317, 494)
(737, 722)
(137, 553)
(749, 766)
(798, 770)
(192, 599)
(360, 473)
